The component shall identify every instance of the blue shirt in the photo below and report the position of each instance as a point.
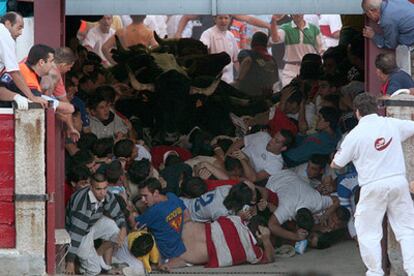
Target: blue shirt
(397, 23)
(165, 221)
(399, 80)
(318, 143)
(3, 7)
(79, 104)
(347, 184)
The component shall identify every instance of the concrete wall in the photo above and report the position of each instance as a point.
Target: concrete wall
(28, 258)
(407, 113)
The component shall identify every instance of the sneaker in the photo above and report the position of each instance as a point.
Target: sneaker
(103, 265)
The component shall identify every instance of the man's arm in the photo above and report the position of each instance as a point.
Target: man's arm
(274, 28)
(269, 251)
(335, 166)
(107, 47)
(251, 20)
(21, 84)
(389, 39)
(244, 68)
(9, 96)
(278, 231)
(238, 144)
(183, 22)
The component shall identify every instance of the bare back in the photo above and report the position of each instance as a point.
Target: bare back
(135, 34)
(194, 238)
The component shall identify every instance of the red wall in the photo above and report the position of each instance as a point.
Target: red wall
(7, 177)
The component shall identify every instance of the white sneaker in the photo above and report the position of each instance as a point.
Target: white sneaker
(103, 265)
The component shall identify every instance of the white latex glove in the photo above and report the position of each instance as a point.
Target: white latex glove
(22, 102)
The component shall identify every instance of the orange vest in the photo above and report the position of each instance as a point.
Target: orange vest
(30, 77)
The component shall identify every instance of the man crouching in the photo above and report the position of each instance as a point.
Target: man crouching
(86, 222)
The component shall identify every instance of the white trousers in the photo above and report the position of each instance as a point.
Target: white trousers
(390, 195)
(106, 229)
(123, 255)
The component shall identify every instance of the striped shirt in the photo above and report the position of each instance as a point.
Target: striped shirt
(82, 214)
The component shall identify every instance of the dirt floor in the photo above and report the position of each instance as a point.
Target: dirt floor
(340, 260)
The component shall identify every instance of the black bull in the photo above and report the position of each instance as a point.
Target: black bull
(182, 85)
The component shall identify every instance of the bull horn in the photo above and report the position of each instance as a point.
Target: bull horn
(208, 91)
(158, 39)
(138, 85)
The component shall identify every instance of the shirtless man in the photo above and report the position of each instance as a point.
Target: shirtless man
(133, 34)
(202, 240)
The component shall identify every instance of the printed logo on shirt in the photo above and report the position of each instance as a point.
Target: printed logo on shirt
(381, 145)
(175, 219)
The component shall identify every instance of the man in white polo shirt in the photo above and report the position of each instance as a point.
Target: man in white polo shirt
(374, 147)
(264, 152)
(219, 39)
(11, 28)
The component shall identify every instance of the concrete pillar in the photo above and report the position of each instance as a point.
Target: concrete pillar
(399, 107)
(28, 258)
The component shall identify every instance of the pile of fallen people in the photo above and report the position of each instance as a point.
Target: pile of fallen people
(165, 202)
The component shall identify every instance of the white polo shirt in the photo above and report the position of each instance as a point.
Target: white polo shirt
(95, 38)
(261, 159)
(294, 194)
(374, 146)
(218, 41)
(8, 58)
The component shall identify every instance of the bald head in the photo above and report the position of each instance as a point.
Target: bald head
(371, 4)
(372, 9)
(13, 21)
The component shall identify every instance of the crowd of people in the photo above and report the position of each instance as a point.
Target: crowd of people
(286, 176)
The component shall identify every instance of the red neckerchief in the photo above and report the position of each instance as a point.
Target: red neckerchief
(384, 87)
(262, 51)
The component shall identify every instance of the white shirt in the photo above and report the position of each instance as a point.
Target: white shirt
(332, 22)
(157, 23)
(209, 206)
(374, 146)
(143, 153)
(95, 38)
(172, 25)
(261, 159)
(294, 194)
(8, 59)
(218, 41)
(95, 201)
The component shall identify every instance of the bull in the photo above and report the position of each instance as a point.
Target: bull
(185, 84)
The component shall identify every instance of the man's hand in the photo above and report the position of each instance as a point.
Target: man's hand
(239, 154)
(121, 237)
(70, 268)
(22, 102)
(73, 134)
(204, 173)
(263, 233)
(164, 267)
(277, 17)
(368, 32)
(44, 103)
(262, 204)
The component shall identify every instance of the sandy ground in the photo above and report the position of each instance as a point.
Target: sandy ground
(340, 260)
